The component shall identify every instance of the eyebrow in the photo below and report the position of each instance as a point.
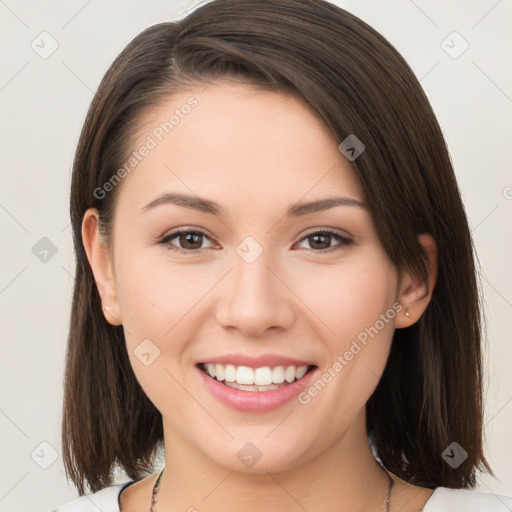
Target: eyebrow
(208, 206)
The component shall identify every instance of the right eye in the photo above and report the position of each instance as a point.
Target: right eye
(186, 238)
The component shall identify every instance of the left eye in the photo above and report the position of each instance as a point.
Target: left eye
(320, 237)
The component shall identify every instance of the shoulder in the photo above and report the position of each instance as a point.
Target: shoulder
(466, 500)
(106, 500)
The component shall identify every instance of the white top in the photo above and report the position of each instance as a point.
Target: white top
(443, 499)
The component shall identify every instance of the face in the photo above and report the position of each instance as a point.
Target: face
(306, 286)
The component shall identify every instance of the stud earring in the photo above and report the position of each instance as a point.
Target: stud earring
(407, 314)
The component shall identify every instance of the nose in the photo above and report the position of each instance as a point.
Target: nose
(254, 298)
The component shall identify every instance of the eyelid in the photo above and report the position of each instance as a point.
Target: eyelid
(185, 229)
(336, 231)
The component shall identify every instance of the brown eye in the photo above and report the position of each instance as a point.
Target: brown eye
(321, 240)
(187, 240)
(190, 240)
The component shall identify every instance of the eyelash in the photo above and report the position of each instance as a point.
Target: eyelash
(345, 241)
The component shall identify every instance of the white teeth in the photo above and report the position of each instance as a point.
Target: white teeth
(219, 371)
(300, 372)
(230, 373)
(243, 387)
(278, 375)
(263, 376)
(245, 376)
(289, 374)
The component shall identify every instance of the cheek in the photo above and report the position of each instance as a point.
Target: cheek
(154, 294)
(160, 303)
(157, 301)
(358, 307)
(351, 297)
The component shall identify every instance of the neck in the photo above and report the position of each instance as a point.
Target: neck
(344, 476)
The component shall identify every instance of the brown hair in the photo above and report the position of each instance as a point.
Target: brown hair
(430, 394)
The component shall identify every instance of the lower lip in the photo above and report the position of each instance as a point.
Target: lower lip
(255, 401)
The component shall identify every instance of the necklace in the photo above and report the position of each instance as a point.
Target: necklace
(385, 505)
(155, 491)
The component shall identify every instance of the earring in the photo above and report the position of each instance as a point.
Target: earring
(407, 314)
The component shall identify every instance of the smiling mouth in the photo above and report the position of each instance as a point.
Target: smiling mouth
(255, 379)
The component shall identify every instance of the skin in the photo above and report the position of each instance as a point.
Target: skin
(255, 153)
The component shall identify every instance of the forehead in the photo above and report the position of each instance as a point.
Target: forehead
(237, 143)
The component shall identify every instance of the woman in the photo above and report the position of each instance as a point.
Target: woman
(275, 276)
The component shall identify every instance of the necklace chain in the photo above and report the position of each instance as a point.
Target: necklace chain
(155, 492)
(387, 499)
(385, 505)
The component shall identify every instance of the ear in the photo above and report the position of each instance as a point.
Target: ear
(413, 294)
(102, 268)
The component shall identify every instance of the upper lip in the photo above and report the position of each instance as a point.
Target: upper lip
(256, 362)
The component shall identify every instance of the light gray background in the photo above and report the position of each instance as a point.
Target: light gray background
(43, 104)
